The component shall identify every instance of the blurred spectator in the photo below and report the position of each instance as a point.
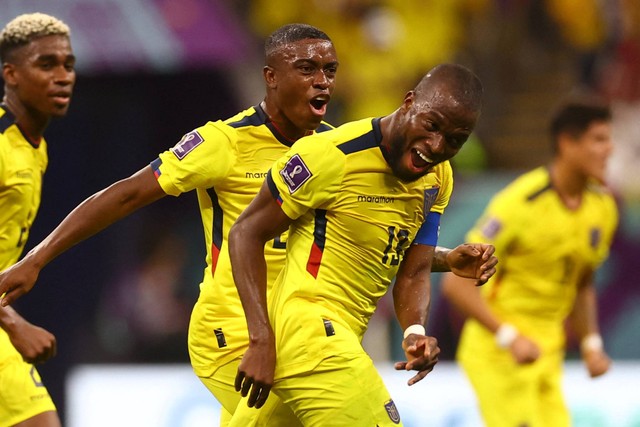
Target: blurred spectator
(144, 315)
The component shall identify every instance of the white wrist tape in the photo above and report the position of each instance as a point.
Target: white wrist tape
(592, 342)
(506, 335)
(414, 329)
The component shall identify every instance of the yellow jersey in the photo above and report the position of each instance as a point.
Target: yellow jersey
(354, 221)
(543, 249)
(226, 163)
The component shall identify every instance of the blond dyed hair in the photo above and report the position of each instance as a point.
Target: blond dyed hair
(24, 28)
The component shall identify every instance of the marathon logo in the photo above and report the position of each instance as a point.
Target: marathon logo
(187, 144)
(295, 173)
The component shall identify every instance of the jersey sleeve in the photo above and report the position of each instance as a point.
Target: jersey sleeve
(446, 188)
(499, 223)
(609, 226)
(430, 229)
(201, 159)
(307, 177)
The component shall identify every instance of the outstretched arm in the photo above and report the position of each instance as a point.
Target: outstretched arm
(412, 298)
(35, 344)
(466, 297)
(260, 222)
(470, 260)
(91, 216)
(584, 320)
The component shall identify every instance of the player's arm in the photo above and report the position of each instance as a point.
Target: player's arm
(91, 216)
(35, 344)
(584, 320)
(411, 300)
(465, 296)
(472, 260)
(260, 222)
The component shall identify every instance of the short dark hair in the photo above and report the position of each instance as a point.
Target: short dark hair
(575, 115)
(461, 82)
(24, 28)
(291, 33)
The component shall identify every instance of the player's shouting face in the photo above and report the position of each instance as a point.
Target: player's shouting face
(432, 127)
(300, 79)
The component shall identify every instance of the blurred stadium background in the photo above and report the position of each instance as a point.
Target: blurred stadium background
(151, 70)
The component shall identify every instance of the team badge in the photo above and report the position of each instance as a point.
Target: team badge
(295, 173)
(392, 411)
(187, 144)
(430, 196)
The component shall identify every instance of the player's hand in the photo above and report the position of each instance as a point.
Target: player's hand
(35, 344)
(597, 362)
(524, 350)
(256, 371)
(473, 261)
(16, 281)
(422, 355)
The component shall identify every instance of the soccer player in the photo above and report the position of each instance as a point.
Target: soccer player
(552, 228)
(38, 73)
(353, 201)
(225, 163)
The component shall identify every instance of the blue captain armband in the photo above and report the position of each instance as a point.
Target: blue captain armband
(428, 233)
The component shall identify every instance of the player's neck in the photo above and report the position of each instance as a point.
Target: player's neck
(568, 183)
(30, 124)
(283, 126)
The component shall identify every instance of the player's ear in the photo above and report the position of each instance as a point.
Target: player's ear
(408, 100)
(269, 77)
(8, 73)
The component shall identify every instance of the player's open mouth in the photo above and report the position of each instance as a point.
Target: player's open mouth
(419, 159)
(319, 105)
(61, 98)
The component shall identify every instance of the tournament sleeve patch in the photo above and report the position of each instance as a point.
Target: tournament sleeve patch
(295, 173)
(491, 228)
(188, 142)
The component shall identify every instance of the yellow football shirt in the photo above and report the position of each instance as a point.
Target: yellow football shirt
(22, 165)
(226, 163)
(354, 222)
(543, 248)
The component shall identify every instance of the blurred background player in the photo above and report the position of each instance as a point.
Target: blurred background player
(354, 200)
(38, 73)
(552, 228)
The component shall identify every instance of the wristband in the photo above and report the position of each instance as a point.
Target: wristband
(591, 342)
(506, 335)
(414, 329)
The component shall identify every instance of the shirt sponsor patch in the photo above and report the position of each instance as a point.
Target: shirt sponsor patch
(295, 173)
(392, 411)
(188, 142)
(491, 228)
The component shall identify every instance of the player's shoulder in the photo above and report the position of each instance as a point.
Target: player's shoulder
(528, 186)
(6, 119)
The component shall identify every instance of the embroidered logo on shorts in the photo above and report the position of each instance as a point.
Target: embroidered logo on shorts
(295, 173)
(392, 411)
(187, 144)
